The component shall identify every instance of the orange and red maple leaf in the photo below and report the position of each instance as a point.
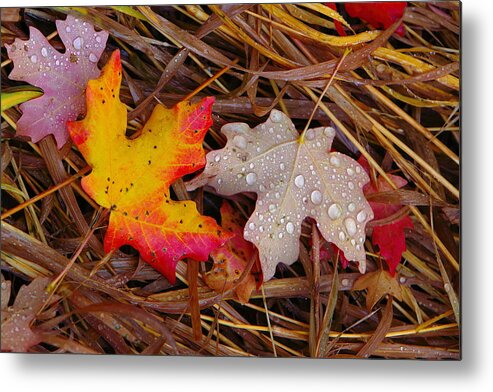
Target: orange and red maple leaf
(132, 177)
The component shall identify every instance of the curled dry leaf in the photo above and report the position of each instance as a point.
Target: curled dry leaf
(62, 76)
(132, 177)
(295, 177)
(231, 259)
(17, 334)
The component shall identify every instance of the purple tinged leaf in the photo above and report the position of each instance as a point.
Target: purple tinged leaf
(62, 76)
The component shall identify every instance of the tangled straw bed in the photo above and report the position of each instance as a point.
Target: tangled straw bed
(394, 99)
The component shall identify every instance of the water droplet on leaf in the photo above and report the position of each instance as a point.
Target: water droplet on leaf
(251, 178)
(276, 116)
(335, 161)
(334, 211)
(299, 181)
(361, 217)
(240, 142)
(77, 43)
(329, 131)
(310, 134)
(316, 197)
(350, 225)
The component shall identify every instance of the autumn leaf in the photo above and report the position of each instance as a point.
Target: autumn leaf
(384, 210)
(378, 284)
(390, 237)
(132, 177)
(231, 259)
(62, 76)
(17, 334)
(391, 240)
(378, 14)
(295, 177)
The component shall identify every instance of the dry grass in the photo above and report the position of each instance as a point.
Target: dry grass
(394, 99)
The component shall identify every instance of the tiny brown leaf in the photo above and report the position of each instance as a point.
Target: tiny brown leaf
(378, 284)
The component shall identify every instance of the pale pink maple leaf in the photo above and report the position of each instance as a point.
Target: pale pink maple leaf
(62, 76)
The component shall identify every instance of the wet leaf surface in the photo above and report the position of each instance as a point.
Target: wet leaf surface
(62, 76)
(295, 177)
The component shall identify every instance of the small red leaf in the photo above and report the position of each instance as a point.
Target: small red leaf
(384, 210)
(337, 24)
(378, 14)
(390, 237)
(392, 241)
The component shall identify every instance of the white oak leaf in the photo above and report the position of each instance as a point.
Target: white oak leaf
(295, 177)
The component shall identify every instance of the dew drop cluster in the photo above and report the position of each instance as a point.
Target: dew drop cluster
(294, 177)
